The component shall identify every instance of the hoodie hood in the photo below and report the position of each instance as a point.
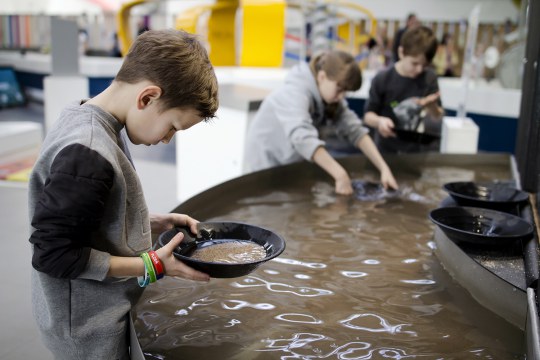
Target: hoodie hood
(301, 76)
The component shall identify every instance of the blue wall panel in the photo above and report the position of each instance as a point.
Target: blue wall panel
(497, 134)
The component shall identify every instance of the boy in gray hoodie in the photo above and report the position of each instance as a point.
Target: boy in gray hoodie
(91, 230)
(287, 126)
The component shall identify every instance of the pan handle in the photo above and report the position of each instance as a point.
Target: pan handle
(188, 243)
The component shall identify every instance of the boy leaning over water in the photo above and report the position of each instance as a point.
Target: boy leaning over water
(91, 230)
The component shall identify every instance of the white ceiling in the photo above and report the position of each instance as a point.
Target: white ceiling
(427, 10)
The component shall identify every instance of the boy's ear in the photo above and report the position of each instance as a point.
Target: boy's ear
(148, 95)
(321, 75)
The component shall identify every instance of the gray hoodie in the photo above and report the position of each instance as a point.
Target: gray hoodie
(86, 204)
(285, 128)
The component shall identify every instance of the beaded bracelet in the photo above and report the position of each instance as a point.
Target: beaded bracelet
(149, 267)
(158, 266)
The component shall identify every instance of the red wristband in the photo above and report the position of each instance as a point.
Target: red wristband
(158, 266)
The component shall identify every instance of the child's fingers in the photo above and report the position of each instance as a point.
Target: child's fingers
(176, 240)
(171, 245)
(187, 272)
(174, 267)
(431, 98)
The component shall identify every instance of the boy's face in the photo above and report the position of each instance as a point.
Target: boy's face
(151, 127)
(412, 66)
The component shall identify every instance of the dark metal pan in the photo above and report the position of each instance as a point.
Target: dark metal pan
(489, 195)
(481, 226)
(212, 233)
(417, 137)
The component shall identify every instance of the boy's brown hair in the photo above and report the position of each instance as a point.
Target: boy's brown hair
(178, 63)
(419, 41)
(339, 66)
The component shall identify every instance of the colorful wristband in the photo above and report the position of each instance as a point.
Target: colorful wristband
(144, 280)
(149, 267)
(158, 266)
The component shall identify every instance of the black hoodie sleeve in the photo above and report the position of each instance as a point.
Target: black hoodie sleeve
(69, 209)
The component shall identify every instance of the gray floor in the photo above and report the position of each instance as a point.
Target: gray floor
(19, 338)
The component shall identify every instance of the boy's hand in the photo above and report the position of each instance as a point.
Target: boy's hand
(430, 99)
(388, 180)
(163, 222)
(430, 103)
(174, 267)
(344, 186)
(385, 127)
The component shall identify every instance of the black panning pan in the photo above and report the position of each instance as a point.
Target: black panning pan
(481, 226)
(423, 138)
(489, 195)
(212, 233)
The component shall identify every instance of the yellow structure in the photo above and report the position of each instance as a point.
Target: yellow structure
(124, 36)
(221, 33)
(189, 19)
(350, 30)
(263, 33)
(262, 38)
(221, 29)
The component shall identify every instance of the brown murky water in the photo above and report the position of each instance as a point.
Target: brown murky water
(358, 280)
(230, 252)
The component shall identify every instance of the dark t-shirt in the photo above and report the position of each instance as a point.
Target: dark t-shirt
(392, 95)
(395, 46)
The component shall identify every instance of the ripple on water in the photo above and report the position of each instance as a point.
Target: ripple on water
(354, 274)
(298, 318)
(374, 323)
(303, 291)
(318, 346)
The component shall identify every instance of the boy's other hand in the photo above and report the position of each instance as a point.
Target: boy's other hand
(344, 186)
(164, 222)
(430, 99)
(385, 127)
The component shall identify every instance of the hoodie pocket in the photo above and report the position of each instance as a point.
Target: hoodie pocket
(138, 227)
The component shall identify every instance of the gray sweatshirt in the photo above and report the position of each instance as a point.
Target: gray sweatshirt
(285, 128)
(86, 204)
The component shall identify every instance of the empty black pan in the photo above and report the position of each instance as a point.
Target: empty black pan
(481, 226)
(489, 195)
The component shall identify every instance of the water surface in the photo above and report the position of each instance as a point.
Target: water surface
(358, 280)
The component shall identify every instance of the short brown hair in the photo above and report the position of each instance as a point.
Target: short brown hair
(178, 63)
(419, 41)
(339, 66)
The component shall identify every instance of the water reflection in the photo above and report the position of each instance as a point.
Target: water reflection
(299, 263)
(237, 305)
(200, 302)
(378, 324)
(419, 282)
(252, 281)
(298, 318)
(358, 280)
(323, 347)
(354, 274)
